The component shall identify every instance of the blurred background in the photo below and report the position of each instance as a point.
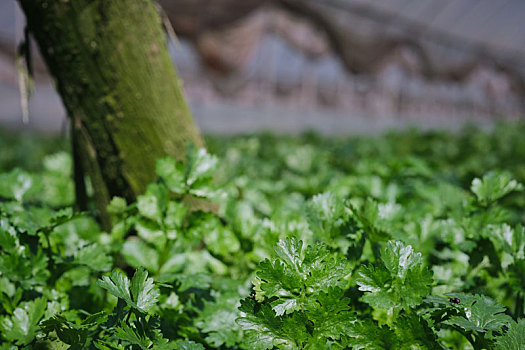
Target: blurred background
(335, 66)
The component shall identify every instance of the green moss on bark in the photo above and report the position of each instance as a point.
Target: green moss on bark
(113, 71)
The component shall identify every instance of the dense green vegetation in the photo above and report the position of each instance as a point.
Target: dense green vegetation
(403, 241)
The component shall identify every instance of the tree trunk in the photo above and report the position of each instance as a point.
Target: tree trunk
(113, 71)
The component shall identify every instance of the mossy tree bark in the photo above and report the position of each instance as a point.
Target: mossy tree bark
(112, 68)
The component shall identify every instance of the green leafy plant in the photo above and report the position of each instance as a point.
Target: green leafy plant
(407, 240)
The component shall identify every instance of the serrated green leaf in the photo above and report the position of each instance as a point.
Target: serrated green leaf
(413, 331)
(152, 232)
(69, 332)
(327, 207)
(368, 217)
(481, 314)
(285, 306)
(514, 338)
(141, 294)
(289, 251)
(132, 336)
(510, 240)
(173, 174)
(399, 259)
(326, 215)
(324, 269)
(199, 165)
(218, 321)
(143, 291)
(21, 327)
(401, 281)
(103, 345)
(148, 207)
(377, 282)
(277, 279)
(95, 257)
(188, 345)
(175, 214)
(302, 302)
(8, 239)
(118, 285)
(330, 314)
(366, 334)
(298, 270)
(263, 328)
(24, 267)
(494, 186)
(207, 190)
